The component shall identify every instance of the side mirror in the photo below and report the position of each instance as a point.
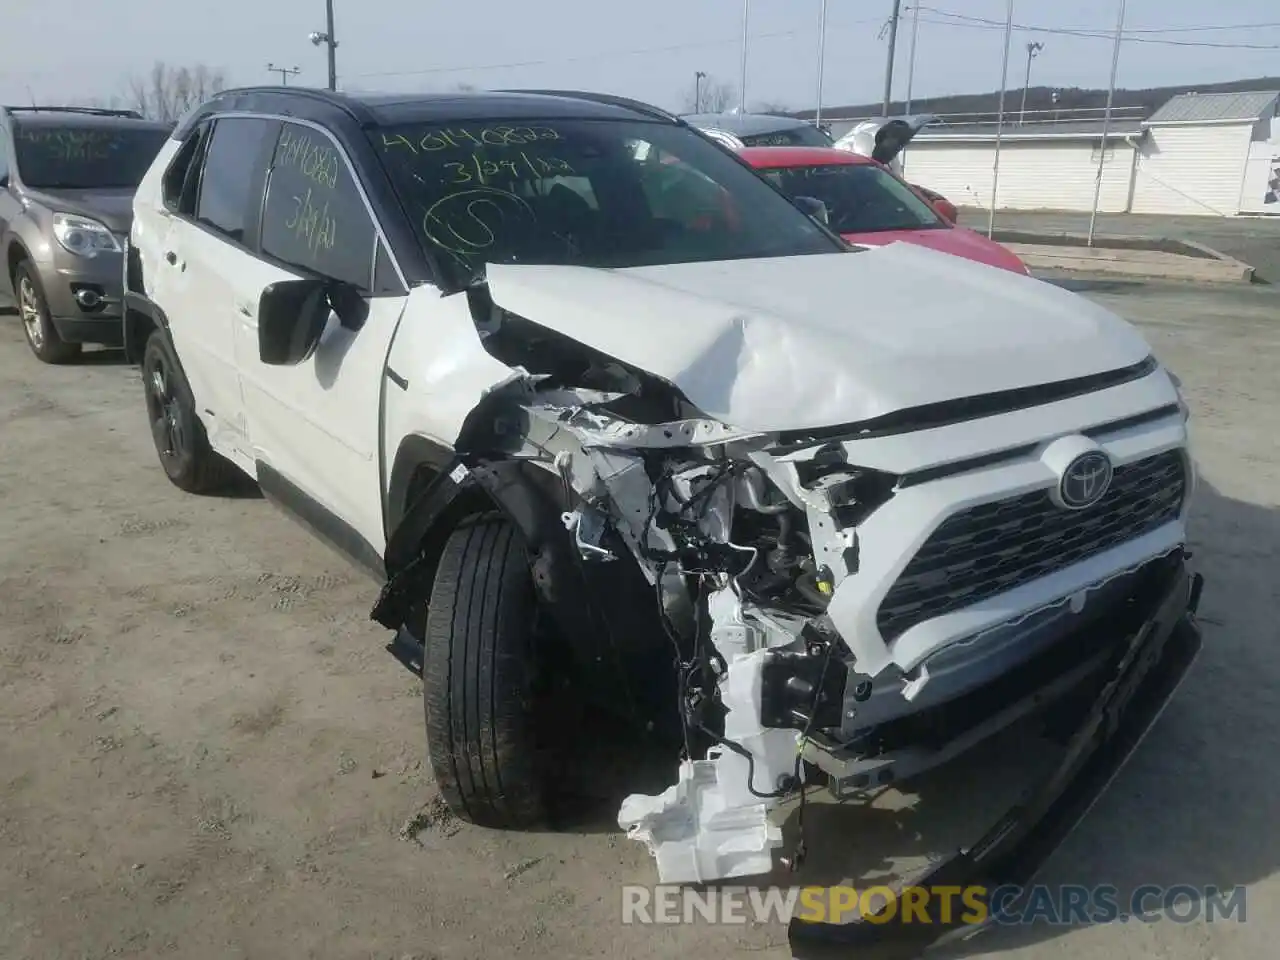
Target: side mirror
(4, 181)
(292, 315)
(813, 207)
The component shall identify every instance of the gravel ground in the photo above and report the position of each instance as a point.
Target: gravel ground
(205, 752)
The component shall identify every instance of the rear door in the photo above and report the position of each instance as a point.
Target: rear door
(315, 428)
(206, 247)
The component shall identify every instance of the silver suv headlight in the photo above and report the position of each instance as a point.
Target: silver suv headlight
(82, 236)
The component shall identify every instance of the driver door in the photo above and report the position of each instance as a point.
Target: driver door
(314, 428)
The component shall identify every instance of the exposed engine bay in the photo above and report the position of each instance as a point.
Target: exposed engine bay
(743, 551)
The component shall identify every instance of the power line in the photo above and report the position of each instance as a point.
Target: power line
(637, 51)
(982, 23)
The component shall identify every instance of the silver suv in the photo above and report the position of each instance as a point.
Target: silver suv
(67, 179)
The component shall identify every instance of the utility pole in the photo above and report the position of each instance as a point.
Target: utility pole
(911, 75)
(911, 60)
(332, 43)
(1004, 82)
(698, 77)
(888, 67)
(327, 38)
(746, 17)
(822, 56)
(1032, 49)
(1106, 118)
(285, 73)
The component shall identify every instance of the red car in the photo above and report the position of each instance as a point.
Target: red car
(870, 206)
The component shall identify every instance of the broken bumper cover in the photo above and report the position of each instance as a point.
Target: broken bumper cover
(1152, 663)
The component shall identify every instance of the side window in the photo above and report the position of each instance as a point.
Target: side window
(4, 156)
(181, 182)
(314, 217)
(232, 162)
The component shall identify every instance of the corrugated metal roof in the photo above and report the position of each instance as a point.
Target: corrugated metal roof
(1063, 130)
(1246, 107)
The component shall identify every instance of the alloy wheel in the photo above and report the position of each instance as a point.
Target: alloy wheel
(166, 413)
(29, 310)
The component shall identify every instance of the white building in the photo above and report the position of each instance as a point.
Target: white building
(1044, 165)
(1209, 153)
(1213, 154)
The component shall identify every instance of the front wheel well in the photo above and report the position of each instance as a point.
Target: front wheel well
(138, 327)
(14, 256)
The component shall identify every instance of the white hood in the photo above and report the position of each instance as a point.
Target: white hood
(797, 342)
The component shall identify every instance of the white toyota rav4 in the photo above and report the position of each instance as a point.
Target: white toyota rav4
(608, 414)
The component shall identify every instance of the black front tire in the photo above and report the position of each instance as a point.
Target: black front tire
(181, 443)
(480, 679)
(37, 327)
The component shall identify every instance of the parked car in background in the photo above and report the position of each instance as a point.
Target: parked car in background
(737, 130)
(867, 205)
(67, 179)
(883, 140)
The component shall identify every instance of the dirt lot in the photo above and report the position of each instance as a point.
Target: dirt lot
(205, 752)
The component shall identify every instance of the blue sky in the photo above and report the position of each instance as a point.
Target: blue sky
(63, 49)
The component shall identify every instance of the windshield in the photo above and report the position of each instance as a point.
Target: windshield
(594, 193)
(84, 157)
(860, 198)
(799, 136)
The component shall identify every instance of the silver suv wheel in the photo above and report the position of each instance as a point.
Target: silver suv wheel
(29, 310)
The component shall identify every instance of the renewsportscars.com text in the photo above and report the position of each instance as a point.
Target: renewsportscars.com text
(1063, 905)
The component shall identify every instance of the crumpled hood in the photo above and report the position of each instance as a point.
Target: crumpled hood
(111, 207)
(797, 342)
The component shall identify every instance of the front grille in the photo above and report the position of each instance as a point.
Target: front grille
(994, 547)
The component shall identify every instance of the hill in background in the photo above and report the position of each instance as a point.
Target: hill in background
(1041, 98)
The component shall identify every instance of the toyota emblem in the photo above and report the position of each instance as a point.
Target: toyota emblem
(1085, 481)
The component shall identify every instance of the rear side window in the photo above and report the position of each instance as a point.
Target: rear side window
(232, 164)
(315, 218)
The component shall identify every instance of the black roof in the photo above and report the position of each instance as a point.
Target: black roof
(379, 109)
(81, 117)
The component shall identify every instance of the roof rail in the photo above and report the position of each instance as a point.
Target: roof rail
(351, 107)
(90, 111)
(609, 99)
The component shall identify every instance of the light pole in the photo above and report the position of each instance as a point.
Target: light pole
(1032, 49)
(822, 54)
(698, 77)
(327, 38)
(285, 73)
(1106, 118)
(1004, 82)
(888, 67)
(746, 17)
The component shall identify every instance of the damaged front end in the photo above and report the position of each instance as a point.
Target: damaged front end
(747, 567)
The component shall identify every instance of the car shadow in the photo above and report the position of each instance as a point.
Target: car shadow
(239, 487)
(101, 357)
